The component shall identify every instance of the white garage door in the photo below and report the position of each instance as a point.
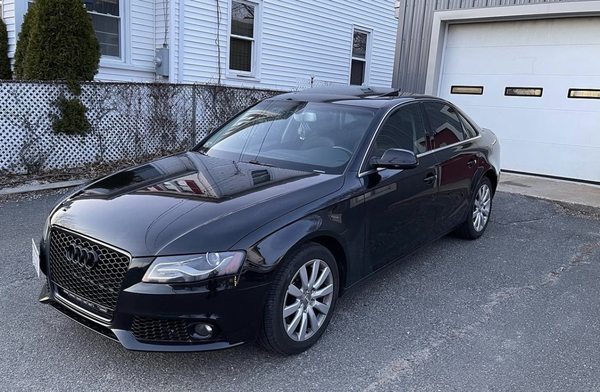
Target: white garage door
(545, 133)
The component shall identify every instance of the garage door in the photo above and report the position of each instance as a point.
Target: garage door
(532, 83)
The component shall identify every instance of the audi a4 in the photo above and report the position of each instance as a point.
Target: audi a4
(258, 230)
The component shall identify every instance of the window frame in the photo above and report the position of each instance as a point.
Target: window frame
(254, 73)
(432, 131)
(364, 171)
(510, 92)
(363, 168)
(464, 120)
(122, 41)
(366, 60)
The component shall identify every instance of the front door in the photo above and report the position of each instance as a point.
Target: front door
(400, 203)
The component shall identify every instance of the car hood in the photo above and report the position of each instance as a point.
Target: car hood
(188, 203)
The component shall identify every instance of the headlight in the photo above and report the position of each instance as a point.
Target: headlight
(192, 268)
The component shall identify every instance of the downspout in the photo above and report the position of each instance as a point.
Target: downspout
(172, 76)
(181, 42)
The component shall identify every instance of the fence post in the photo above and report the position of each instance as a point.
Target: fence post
(193, 115)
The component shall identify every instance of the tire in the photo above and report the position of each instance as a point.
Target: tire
(472, 228)
(308, 308)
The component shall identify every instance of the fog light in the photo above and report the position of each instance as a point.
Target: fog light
(203, 330)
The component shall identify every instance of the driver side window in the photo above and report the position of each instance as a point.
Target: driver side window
(403, 129)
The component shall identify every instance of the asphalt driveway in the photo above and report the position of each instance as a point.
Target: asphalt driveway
(518, 309)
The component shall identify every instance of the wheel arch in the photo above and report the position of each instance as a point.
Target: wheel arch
(269, 252)
(491, 175)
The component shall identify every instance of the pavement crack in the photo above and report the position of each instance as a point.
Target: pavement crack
(583, 255)
(405, 366)
(518, 222)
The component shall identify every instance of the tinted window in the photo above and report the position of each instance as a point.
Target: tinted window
(403, 129)
(292, 135)
(469, 129)
(445, 125)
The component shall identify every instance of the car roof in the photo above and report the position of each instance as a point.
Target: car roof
(372, 97)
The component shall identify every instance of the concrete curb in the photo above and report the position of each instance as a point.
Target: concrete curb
(569, 205)
(41, 187)
(567, 193)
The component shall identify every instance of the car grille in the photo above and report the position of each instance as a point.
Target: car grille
(99, 285)
(160, 330)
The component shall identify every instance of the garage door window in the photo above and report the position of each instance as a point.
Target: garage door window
(467, 90)
(523, 91)
(584, 93)
(445, 124)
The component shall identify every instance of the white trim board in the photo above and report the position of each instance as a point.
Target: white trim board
(442, 19)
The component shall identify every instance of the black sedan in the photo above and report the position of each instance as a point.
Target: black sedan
(256, 232)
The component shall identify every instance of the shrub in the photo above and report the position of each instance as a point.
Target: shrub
(23, 41)
(5, 72)
(71, 118)
(61, 43)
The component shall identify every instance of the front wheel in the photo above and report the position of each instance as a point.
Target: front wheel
(480, 210)
(301, 301)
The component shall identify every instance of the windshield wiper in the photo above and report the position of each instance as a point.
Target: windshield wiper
(255, 162)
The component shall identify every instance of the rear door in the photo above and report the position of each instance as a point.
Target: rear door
(399, 203)
(453, 150)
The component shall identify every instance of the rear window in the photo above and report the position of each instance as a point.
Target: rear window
(445, 124)
(469, 129)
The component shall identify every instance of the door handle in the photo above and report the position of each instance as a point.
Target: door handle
(472, 162)
(430, 179)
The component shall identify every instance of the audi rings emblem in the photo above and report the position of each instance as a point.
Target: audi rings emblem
(83, 257)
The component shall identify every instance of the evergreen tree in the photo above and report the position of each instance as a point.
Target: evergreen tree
(62, 44)
(5, 71)
(23, 41)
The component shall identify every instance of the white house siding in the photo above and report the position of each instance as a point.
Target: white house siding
(298, 39)
(8, 16)
(200, 60)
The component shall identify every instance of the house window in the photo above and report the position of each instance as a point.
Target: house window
(242, 37)
(106, 18)
(359, 66)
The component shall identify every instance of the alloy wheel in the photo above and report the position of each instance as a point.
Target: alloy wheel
(481, 207)
(308, 300)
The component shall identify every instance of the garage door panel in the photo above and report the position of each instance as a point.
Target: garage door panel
(548, 128)
(530, 158)
(551, 134)
(531, 33)
(529, 60)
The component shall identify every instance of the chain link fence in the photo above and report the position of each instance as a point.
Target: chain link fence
(130, 122)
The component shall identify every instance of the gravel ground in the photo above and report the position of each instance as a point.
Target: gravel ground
(516, 310)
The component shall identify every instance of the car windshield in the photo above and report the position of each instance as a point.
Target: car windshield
(295, 135)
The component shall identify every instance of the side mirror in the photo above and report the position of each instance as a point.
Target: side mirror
(396, 158)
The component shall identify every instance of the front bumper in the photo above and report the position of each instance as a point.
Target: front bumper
(161, 317)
